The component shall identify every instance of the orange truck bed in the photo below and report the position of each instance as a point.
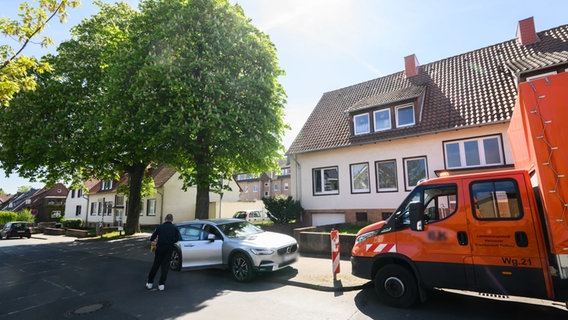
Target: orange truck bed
(538, 133)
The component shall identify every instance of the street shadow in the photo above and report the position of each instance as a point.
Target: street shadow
(445, 305)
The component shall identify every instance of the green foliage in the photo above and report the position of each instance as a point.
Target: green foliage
(25, 215)
(30, 23)
(73, 223)
(7, 216)
(191, 84)
(284, 209)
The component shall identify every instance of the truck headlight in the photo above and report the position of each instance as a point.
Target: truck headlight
(262, 252)
(364, 236)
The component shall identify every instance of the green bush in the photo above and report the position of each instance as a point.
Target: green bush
(74, 223)
(25, 215)
(7, 216)
(284, 209)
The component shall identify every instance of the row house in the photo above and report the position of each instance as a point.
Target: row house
(104, 204)
(365, 146)
(265, 185)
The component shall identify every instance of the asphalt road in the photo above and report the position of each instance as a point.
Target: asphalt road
(58, 278)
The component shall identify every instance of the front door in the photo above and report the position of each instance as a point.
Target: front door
(197, 250)
(504, 239)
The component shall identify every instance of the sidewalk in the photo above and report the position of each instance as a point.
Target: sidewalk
(316, 273)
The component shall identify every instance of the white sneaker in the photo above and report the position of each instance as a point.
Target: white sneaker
(161, 287)
(149, 285)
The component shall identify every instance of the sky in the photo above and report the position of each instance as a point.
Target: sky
(324, 45)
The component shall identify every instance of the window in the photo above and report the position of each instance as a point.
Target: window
(106, 185)
(151, 207)
(276, 187)
(119, 200)
(405, 116)
(246, 189)
(72, 193)
(440, 202)
(285, 172)
(99, 208)
(108, 208)
(360, 178)
(382, 120)
(386, 176)
(361, 124)
(496, 200)
(77, 211)
(285, 185)
(476, 152)
(255, 188)
(79, 193)
(415, 169)
(325, 181)
(93, 208)
(266, 193)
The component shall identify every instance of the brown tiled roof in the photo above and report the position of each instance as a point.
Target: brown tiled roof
(471, 89)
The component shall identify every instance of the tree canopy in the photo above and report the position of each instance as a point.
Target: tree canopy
(30, 23)
(189, 84)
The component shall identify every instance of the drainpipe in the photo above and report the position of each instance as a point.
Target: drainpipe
(161, 205)
(297, 182)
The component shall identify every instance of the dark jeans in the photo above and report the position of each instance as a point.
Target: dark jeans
(162, 258)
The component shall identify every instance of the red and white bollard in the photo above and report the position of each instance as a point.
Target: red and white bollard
(335, 251)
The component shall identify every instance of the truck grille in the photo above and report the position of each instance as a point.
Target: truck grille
(288, 249)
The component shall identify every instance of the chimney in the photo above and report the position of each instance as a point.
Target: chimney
(410, 66)
(526, 33)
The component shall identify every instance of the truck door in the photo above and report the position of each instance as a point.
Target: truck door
(441, 251)
(503, 236)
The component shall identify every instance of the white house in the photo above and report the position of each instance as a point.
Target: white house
(364, 147)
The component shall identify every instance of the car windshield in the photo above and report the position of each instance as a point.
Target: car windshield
(239, 229)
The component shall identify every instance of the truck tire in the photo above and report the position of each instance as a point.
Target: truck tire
(396, 286)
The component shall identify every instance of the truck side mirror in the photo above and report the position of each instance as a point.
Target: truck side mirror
(416, 210)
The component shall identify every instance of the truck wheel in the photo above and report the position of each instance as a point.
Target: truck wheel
(175, 262)
(396, 286)
(241, 268)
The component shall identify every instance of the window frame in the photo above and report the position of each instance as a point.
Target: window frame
(518, 200)
(323, 192)
(481, 152)
(397, 110)
(377, 177)
(388, 111)
(352, 176)
(355, 126)
(407, 185)
(151, 205)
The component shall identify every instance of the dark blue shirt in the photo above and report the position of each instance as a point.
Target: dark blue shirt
(167, 234)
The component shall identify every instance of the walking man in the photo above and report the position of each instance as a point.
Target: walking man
(167, 234)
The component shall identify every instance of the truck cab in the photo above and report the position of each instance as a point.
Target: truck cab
(477, 232)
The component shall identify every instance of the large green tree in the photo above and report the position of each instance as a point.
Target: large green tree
(190, 84)
(28, 25)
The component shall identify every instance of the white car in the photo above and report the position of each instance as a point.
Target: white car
(232, 244)
(252, 215)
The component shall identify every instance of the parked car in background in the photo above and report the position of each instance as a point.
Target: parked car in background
(252, 215)
(16, 229)
(233, 244)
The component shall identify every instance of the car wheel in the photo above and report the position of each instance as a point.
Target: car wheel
(396, 286)
(241, 268)
(175, 261)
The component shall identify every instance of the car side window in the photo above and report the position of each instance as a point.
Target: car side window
(192, 233)
(210, 229)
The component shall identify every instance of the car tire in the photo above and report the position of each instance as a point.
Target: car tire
(396, 286)
(241, 268)
(175, 261)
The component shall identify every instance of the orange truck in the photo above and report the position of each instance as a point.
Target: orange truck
(501, 233)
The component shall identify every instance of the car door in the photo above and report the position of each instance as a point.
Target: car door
(506, 248)
(197, 249)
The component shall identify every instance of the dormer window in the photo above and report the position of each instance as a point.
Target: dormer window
(387, 111)
(361, 124)
(106, 185)
(382, 119)
(405, 116)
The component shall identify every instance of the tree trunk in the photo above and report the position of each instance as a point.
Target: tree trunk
(202, 203)
(135, 177)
